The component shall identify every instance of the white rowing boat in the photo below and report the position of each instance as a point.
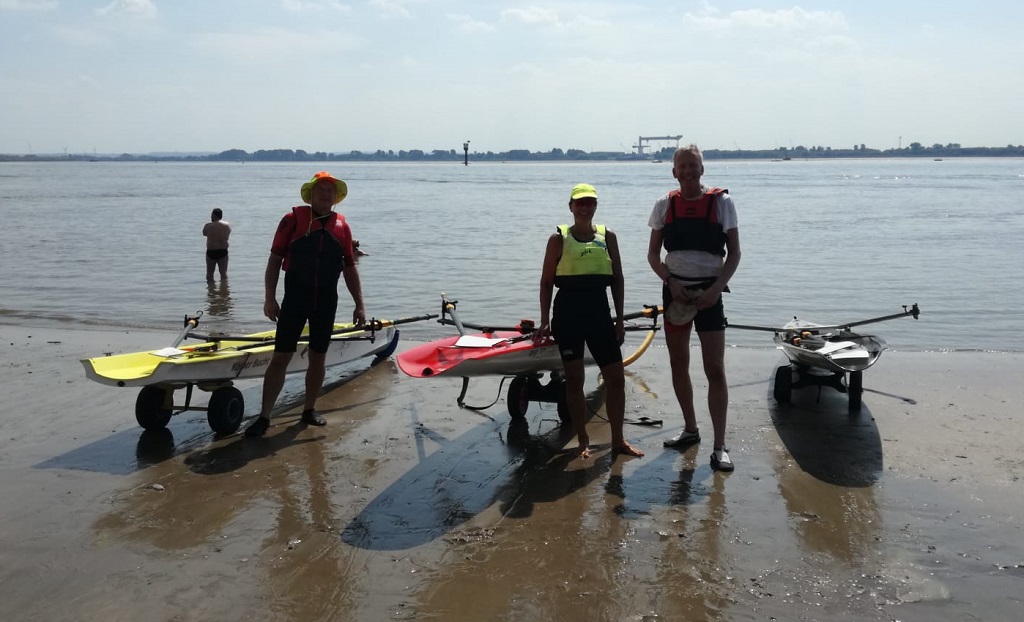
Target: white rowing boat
(823, 355)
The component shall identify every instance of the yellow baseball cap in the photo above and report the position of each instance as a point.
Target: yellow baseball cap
(340, 187)
(582, 191)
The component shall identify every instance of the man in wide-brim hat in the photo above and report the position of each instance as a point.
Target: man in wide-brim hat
(313, 245)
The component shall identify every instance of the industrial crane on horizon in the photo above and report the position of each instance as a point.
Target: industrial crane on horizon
(643, 142)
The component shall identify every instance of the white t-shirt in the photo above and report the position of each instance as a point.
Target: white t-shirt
(696, 265)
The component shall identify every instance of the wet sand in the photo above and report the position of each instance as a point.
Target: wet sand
(407, 507)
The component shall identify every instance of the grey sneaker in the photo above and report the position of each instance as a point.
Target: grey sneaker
(683, 439)
(720, 460)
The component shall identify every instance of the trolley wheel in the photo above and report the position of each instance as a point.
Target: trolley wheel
(518, 397)
(855, 389)
(225, 410)
(783, 384)
(153, 407)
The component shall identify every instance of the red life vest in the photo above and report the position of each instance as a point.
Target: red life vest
(316, 250)
(692, 225)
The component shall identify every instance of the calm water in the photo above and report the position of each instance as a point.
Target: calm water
(120, 244)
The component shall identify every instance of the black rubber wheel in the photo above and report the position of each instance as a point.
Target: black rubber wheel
(783, 384)
(856, 390)
(225, 410)
(153, 407)
(517, 398)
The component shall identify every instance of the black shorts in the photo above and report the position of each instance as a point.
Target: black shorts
(217, 253)
(296, 310)
(577, 323)
(708, 320)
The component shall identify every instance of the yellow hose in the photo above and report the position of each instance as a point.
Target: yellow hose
(648, 339)
(640, 349)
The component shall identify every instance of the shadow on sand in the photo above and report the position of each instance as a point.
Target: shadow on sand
(135, 449)
(826, 441)
(487, 465)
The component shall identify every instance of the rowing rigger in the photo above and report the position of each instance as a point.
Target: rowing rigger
(823, 355)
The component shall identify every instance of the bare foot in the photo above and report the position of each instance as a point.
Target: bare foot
(627, 449)
(583, 451)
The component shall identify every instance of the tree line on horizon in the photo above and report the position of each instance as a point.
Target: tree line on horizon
(914, 149)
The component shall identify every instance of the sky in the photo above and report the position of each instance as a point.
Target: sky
(147, 76)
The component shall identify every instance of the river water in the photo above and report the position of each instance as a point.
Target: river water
(830, 241)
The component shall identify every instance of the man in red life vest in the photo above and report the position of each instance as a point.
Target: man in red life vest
(313, 245)
(697, 227)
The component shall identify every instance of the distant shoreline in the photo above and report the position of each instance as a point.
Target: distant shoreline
(914, 150)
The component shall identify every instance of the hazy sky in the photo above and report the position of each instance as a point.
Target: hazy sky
(137, 76)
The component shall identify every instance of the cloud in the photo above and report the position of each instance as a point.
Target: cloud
(132, 8)
(392, 8)
(788, 20)
(28, 5)
(533, 15)
(466, 23)
(268, 44)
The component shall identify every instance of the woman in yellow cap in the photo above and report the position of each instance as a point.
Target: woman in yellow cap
(582, 260)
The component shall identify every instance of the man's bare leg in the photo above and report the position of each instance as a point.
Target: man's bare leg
(315, 373)
(273, 382)
(678, 343)
(713, 350)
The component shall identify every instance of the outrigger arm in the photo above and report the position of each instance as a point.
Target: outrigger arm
(365, 332)
(190, 323)
(912, 310)
(526, 329)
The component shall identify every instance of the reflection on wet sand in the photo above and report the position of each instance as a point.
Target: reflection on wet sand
(271, 503)
(406, 507)
(827, 470)
(218, 299)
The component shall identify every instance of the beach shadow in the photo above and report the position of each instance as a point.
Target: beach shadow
(136, 449)
(242, 450)
(487, 465)
(826, 440)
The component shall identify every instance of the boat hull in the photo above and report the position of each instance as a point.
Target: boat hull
(484, 354)
(827, 348)
(221, 361)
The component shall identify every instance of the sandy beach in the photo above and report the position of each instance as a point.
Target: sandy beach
(407, 507)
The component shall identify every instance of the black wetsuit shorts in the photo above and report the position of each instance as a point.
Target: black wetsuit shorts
(299, 307)
(583, 319)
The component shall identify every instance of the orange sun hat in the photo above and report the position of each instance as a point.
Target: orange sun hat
(340, 187)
